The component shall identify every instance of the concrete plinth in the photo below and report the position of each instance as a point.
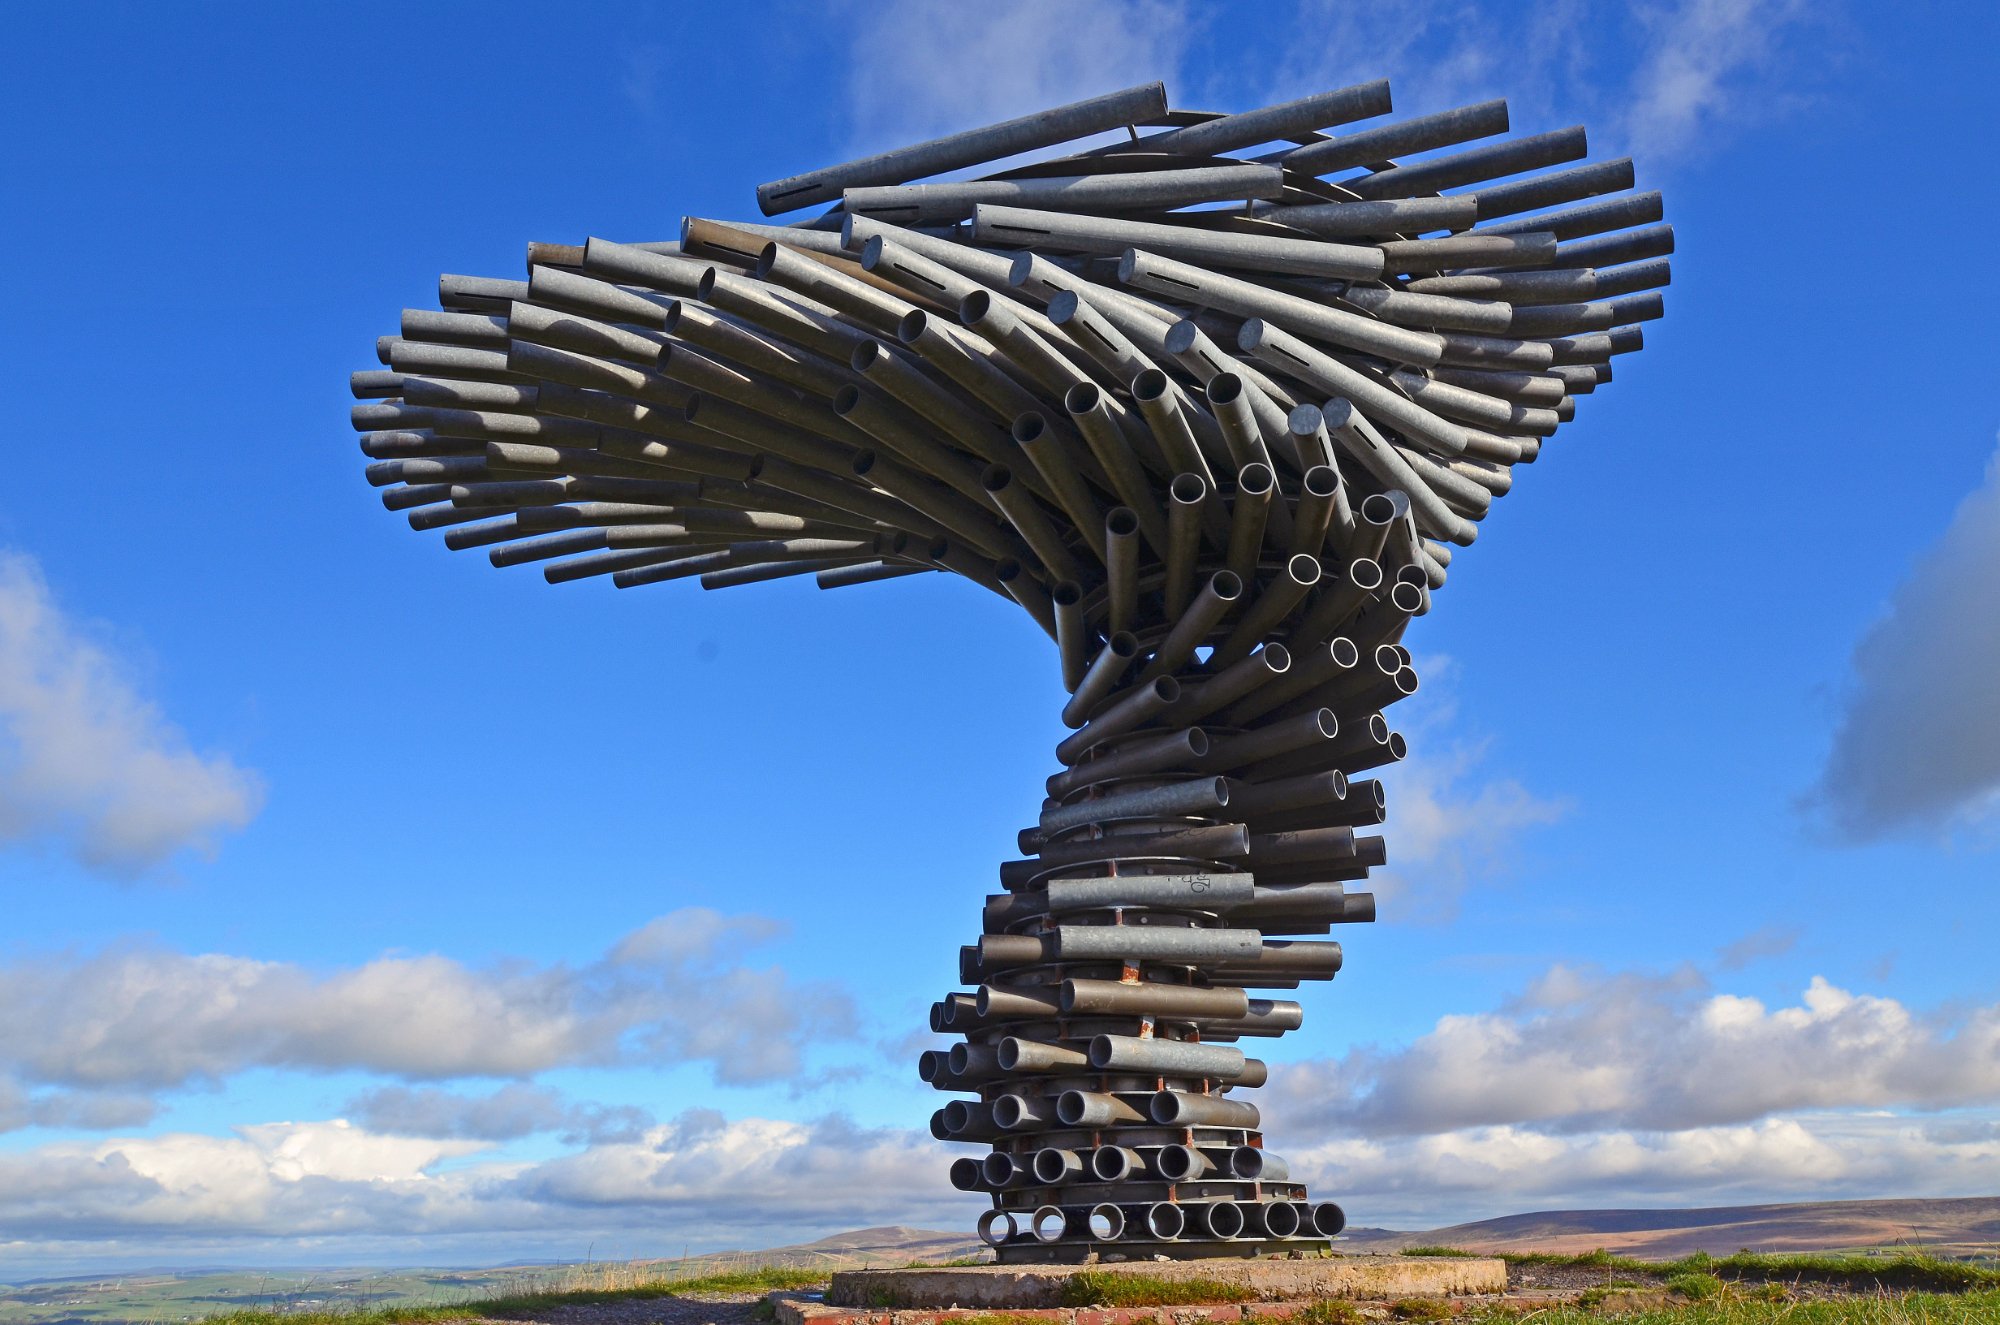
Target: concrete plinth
(1029, 1287)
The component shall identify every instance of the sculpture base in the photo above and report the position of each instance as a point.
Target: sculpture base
(1025, 1287)
(1149, 1253)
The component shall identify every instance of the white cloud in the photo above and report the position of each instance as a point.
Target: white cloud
(1420, 1182)
(1580, 1051)
(1447, 825)
(85, 760)
(1440, 55)
(1918, 744)
(85, 1110)
(514, 1110)
(917, 69)
(700, 1179)
(674, 991)
(1710, 65)
(1660, 80)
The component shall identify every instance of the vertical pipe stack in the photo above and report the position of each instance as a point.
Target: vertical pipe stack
(1213, 404)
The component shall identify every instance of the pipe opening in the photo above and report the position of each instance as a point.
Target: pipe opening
(1165, 1221)
(1281, 1219)
(1378, 508)
(1082, 398)
(1149, 385)
(1049, 1224)
(1029, 426)
(1328, 1219)
(1107, 1222)
(1223, 388)
(996, 1227)
(1224, 1219)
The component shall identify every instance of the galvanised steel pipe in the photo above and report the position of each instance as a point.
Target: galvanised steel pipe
(1097, 335)
(666, 411)
(1388, 216)
(1086, 404)
(1140, 706)
(1173, 751)
(1134, 191)
(1187, 496)
(1289, 119)
(1159, 404)
(1025, 133)
(1064, 232)
(1562, 186)
(1230, 400)
(1121, 568)
(1044, 450)
(1291, 356)
(1129, 1053)
(1248, 509)
(1269, 741)
(1221, 593)
(1197, 796)
(1405, 138)
(1079, 1108)
(1284, 592)
(1190, 284)
(1210, 842)
(1152, 999)
(1494, 161)
(1107, 670)
(1019, 1055)
(1179, 1108)
(1116, 1163)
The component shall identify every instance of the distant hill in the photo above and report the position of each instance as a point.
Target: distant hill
(860, 1249)
(1969, 1227)
(1963, 1227)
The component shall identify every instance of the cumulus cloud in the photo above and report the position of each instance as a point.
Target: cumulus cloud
(509, 1113)
(86, 761)
(703, 1178)
(1581, 1051)
(917, 70)
(674, 991)
(85, 1110)
(1418, 1182)
(1448, 822)
(1917, 747)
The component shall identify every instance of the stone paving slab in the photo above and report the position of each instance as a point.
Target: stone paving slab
(1040, 1287)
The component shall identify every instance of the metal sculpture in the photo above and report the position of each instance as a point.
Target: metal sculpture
(1216, 424)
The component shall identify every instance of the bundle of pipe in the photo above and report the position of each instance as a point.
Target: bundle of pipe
(1214, 404)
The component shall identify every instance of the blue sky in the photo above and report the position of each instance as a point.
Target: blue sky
(361, 903)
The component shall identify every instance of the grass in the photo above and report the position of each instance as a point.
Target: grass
(508, 1306)
(1912, 1270)
(1092, 1288)
(1975, 1308)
